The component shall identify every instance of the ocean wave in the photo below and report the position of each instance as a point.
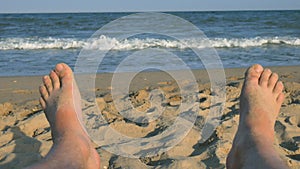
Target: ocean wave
(106, 43)
(36, 43)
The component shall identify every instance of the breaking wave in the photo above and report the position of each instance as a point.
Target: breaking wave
(105, 43)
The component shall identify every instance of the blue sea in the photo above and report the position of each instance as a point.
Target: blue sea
(31, 44)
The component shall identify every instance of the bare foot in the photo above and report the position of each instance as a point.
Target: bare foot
(61, 101)
(260, 103)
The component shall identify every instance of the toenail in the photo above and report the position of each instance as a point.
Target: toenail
(59, 67)
(257, 69)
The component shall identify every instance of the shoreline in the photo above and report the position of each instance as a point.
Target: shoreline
(280, 67)
(18, 89)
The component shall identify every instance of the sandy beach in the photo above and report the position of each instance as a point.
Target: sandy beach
(26, 138)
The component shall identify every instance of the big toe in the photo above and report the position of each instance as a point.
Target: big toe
(64, 72)
(254, 72)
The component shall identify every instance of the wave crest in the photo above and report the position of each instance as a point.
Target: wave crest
(105, 43)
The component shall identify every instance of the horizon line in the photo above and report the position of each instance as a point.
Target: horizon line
(140, 11)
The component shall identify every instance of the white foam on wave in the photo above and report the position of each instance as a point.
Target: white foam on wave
(39, 43)
(252, 42)
(105, 43)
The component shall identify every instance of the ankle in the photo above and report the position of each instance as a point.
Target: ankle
(254, 140)
(258, 125)
(260, 133)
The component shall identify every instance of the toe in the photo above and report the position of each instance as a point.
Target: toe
(273, 80)
(264, 78)
(253, 73)
(55, 80)
(280, 98)
(59, 69)
(278, 88)
(48, 83)
(42, 102)
(64, 72)
(44, 92)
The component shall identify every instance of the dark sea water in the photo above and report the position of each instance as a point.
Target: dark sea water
(31, 44)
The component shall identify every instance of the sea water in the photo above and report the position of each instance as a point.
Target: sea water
(31, 44)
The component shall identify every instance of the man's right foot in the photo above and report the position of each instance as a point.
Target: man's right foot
(260, 103)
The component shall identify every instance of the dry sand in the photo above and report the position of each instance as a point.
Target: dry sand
(25, 134)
